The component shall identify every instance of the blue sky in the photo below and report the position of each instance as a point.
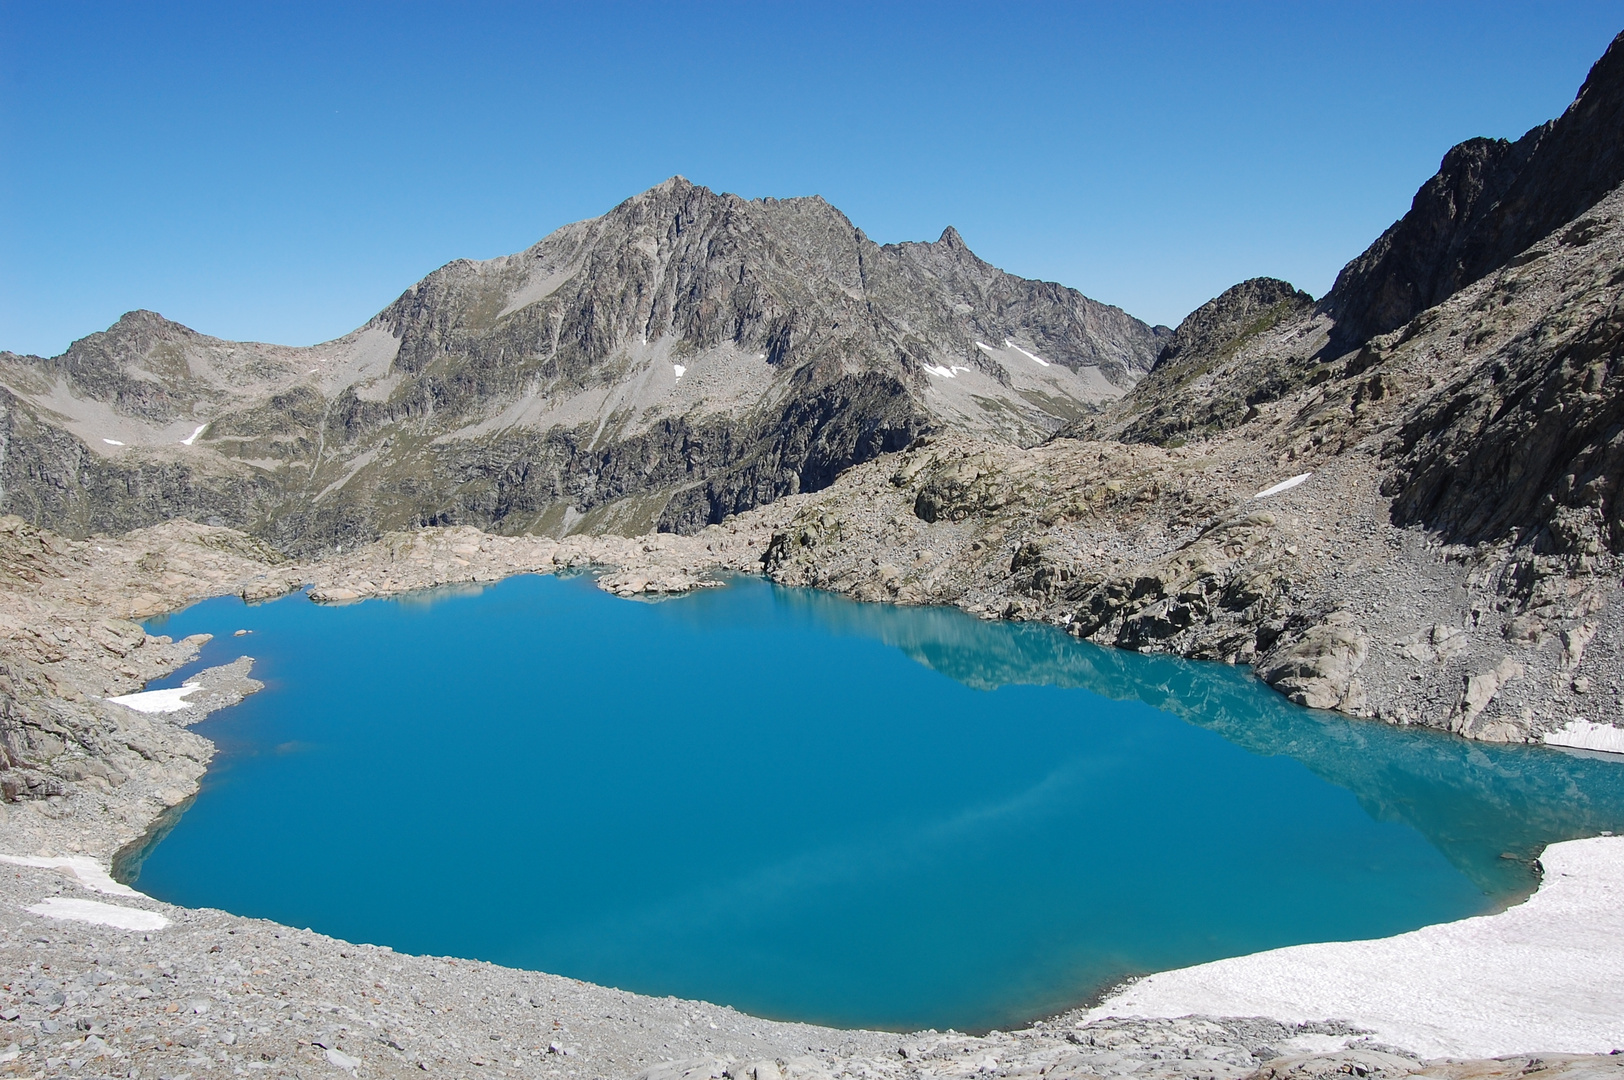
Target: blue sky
(281, 171)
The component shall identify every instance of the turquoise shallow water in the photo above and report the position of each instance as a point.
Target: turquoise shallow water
(819, 810)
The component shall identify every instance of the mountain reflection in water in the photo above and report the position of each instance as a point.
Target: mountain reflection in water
(814, 809)
(1476, 802)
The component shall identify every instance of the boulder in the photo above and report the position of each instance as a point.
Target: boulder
(1317, 668)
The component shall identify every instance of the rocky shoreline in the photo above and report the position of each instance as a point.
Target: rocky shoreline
(1399, 502)
(210, 993)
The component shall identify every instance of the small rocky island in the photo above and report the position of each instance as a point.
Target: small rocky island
(1399, 501)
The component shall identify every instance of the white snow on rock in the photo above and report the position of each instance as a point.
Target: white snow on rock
(1284, 485)
(157, 701)
(190, 439)
(1582, 734)
(112, 442)
(1030, 356)
(91, 874)
(1547, 973)
(94, 911)
(679, 370)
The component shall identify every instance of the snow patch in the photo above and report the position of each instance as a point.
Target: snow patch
(190, 439)
(112, 442)
(90, 873)
(1284, 485)
(94, 911)
(1582, 734)
(158, 701)
(678, 370)
(1548, 973)
(1030, 356)
(1315, 1044)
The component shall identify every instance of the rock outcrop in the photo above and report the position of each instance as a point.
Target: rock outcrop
(1490, 201)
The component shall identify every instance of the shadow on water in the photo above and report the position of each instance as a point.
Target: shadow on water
(1490, 809)
(126, 864)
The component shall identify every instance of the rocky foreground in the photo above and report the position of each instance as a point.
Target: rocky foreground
(179, 994)
(1400, 501)
(211, 994)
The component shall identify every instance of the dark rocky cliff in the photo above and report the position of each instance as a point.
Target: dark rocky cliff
(1522, 439)
(1490, 200)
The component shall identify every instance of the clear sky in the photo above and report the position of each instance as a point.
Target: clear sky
(281, 171)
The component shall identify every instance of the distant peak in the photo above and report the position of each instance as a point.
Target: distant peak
(674, 187)
(143, 320)
(950, 236)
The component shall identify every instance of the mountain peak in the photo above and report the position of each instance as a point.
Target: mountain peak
(1489, 201)
(139, 325)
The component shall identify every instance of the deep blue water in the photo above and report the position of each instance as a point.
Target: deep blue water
(819, 810)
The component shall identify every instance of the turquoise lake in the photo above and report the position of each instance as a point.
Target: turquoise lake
(819, 810)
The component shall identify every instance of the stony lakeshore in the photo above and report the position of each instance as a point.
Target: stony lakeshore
(1400, 501)
(145, 989)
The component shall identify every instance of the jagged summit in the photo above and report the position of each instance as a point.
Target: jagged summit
(1490, 200)
(686, 355)
(1193, 386)
(1234, 314)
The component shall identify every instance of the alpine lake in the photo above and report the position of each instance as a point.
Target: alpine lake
(813, 809)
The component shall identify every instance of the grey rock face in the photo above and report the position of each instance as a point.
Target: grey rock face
(686, 356)
(1490, 200)
(1162, 407)
(1319, 668)
(1445, 550)
(1525, 442)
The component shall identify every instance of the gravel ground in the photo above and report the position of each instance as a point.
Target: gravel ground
(185, 994)
(214, 994)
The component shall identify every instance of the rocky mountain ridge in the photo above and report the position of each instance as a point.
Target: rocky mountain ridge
(1420, 525)
(1490, 201)
(686, 356)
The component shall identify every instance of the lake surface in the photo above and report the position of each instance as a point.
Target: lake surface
(813, 809)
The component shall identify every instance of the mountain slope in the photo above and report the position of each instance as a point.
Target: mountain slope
(1422, 524)
(686, 356)
(1490, 201)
